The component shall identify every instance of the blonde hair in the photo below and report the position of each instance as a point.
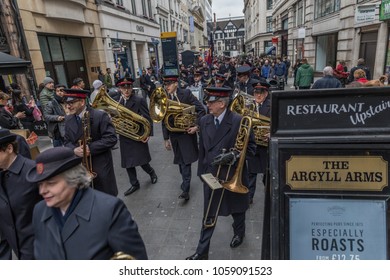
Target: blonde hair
(359, 73)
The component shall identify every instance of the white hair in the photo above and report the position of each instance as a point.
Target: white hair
(328, 71)
(77, 176)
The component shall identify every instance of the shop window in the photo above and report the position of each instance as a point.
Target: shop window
(326, 50)
(326, 7)
(73, 49)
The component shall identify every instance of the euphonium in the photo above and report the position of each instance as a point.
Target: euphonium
(243, 104)
(126, 122)
(162, 108)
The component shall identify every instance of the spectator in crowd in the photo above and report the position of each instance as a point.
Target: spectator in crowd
(78, 83)
(361, 64)
(55, 117)
(296, 66)
(360, 76)
(341, 73)
(97, 84)
(7, 119)
(108, 79)
(305, 75)
(266, 69)
(287, 62)
(328, 81)
(47, 93)
(101, 76)
(20, 105)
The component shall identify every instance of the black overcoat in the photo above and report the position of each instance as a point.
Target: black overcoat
(103, 139)
(99, 226)
(184, 145)
(17, 200)
(211, 143)
(258, 163)
(135, 153)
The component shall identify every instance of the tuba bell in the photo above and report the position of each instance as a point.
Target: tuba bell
(163, 109)
(243, 104)
(126, 122)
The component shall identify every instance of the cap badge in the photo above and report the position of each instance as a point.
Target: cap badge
(40, 168)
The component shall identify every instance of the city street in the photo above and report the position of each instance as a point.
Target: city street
(170, 227)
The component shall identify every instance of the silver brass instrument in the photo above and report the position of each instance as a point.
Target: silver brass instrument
(126, 122)
(244, 104)
(228, 159)
(85, 141)
(161, 108)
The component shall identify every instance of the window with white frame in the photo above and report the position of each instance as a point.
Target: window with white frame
(269, 24)
(269, 4)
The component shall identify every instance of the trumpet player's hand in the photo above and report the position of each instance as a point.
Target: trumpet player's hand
(146, 140)
(192, 130)
(80, 152)
(168, 145)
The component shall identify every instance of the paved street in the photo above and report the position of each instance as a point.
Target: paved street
(170, 228)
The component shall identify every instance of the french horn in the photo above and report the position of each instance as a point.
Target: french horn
(126, 122)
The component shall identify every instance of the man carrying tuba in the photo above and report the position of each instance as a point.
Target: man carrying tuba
(134, 153)
(258, 163)
(183, 144)
(218, 132)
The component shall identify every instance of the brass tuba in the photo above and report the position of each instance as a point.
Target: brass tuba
(126, 122)
(235, 183)
(161, 108)
(244, 105)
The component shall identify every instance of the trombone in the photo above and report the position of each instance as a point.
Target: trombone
(84, 142)
(228, 159)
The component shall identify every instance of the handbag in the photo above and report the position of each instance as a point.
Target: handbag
(37, 114)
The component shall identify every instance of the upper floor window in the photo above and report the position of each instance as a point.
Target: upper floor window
(285, 23)
(299, 13)
(144, 8)
(133, 9)
(326, 7)
(150, 9)
(269, 24)
(119, 2)
(269, 4)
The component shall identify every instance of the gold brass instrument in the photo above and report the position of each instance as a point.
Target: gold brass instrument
(244, 104)
(161, 108)
(121, 256)
(85, 141)
(126, 122)
(235, 183)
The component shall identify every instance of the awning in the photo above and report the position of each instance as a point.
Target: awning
(10, 64)
(271, 50)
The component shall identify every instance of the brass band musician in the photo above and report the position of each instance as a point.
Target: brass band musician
(218, 131)
(102, 138)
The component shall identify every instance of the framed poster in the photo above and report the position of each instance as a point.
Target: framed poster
(337, 229)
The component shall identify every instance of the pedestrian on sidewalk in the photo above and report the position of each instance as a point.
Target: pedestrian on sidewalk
(328, 81)
(305, 75)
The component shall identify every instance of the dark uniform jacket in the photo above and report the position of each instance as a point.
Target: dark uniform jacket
(211, 143)
(17, 200)
(258, 162)
(103, 139)
(247, 87)
(223, 69)
(185, 146)
(135, 153)
(99, 226)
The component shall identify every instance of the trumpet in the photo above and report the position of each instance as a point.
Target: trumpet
(84, 142)
(161, 108)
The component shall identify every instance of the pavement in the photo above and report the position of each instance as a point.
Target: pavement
(171, 227)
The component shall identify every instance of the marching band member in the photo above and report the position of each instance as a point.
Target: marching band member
(134, 153)
(103, 138)
(218, 131)
(76, 222)
(229, 71)
(244, 80)
(17, 200)
(258, 163)
(183, 144)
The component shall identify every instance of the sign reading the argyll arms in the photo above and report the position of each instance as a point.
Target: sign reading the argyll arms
(349, 173)
(336, 112)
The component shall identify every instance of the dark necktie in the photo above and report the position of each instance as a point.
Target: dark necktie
(216, 124)
(78, 119)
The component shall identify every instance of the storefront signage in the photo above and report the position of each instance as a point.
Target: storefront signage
(365, 14)
(140, 28)
(384, 13)
(344, 112)
(341, 173)
(170, 54)
(337, 229)
(302, 33)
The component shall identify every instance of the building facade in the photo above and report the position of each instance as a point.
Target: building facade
(326, 31)
(229, 36)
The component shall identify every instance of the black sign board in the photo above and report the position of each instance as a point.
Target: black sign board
(329, 168)
(170, 54)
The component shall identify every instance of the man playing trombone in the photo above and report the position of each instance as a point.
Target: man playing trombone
(218, 133)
